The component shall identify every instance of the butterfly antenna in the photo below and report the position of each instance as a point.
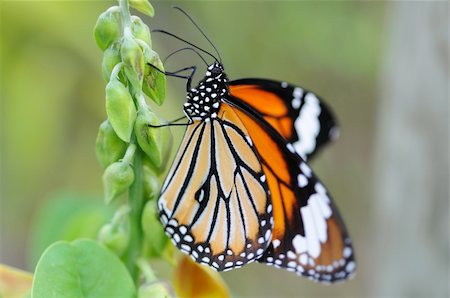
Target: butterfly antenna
(199, 29)
(185, 41)
(185, 49)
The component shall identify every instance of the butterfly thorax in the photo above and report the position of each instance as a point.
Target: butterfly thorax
(203, 102)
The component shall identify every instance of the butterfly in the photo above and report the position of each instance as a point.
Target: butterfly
(240, 188)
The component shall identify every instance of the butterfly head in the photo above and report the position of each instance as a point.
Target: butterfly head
(203, 102)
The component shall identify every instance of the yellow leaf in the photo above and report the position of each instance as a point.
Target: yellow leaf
(195, 280)
(14, 282)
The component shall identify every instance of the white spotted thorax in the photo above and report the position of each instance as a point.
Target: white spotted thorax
(203, 102)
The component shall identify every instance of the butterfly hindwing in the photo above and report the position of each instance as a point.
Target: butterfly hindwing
(309, 236)
(299, 115)
(214, 203)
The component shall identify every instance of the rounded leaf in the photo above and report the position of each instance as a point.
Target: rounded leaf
(109, 147)
(107, 29)
(140, 30)
(117, 178)
(82, 268)
(120, 109)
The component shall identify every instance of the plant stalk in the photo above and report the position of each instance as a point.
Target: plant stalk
(136, 202)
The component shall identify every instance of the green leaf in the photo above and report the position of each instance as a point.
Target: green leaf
(120, 109)
(82, 268)
(67, 216)
(143, 6)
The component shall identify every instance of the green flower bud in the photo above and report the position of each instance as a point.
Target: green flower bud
(114, 237)
(120, 109)
(154, 141)
(155, 239)
(151, 182)
(111, 57)
(109, 147)
(107, 29)
(133, 60)
(143, 6)
(154, 85)
(141, 30)
(117, 178)
(155, 290)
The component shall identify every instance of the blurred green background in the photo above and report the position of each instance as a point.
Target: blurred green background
(52, 102)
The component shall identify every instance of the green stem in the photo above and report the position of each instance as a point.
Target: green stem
(115, 71)
(136, 202)
(125, 13)
(129, 154)
(136, 199)
(146, 270)
(142, 104)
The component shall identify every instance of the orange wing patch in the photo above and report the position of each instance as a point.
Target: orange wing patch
(268, 104)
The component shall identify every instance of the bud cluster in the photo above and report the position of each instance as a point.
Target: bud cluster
(133, 73)
(132, 143)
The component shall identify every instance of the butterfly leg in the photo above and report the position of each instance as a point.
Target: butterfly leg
(172, 123)
(189, 77)
(175, 74)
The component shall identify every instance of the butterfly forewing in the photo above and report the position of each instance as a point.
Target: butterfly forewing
(300, 116)
(309, 236)
(215, 203)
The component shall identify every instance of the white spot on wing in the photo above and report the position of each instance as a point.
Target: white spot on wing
(276, 243)
(307, 125)
(299, 243)
(302, 180)
(347, 252)
(334, 133)
(296, 102)
(312, 239)
(350, 267)
(306, 169)
(290, 147)
(319, 218)
(249, 140)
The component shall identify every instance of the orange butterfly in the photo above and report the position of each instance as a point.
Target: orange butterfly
(240, 189)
